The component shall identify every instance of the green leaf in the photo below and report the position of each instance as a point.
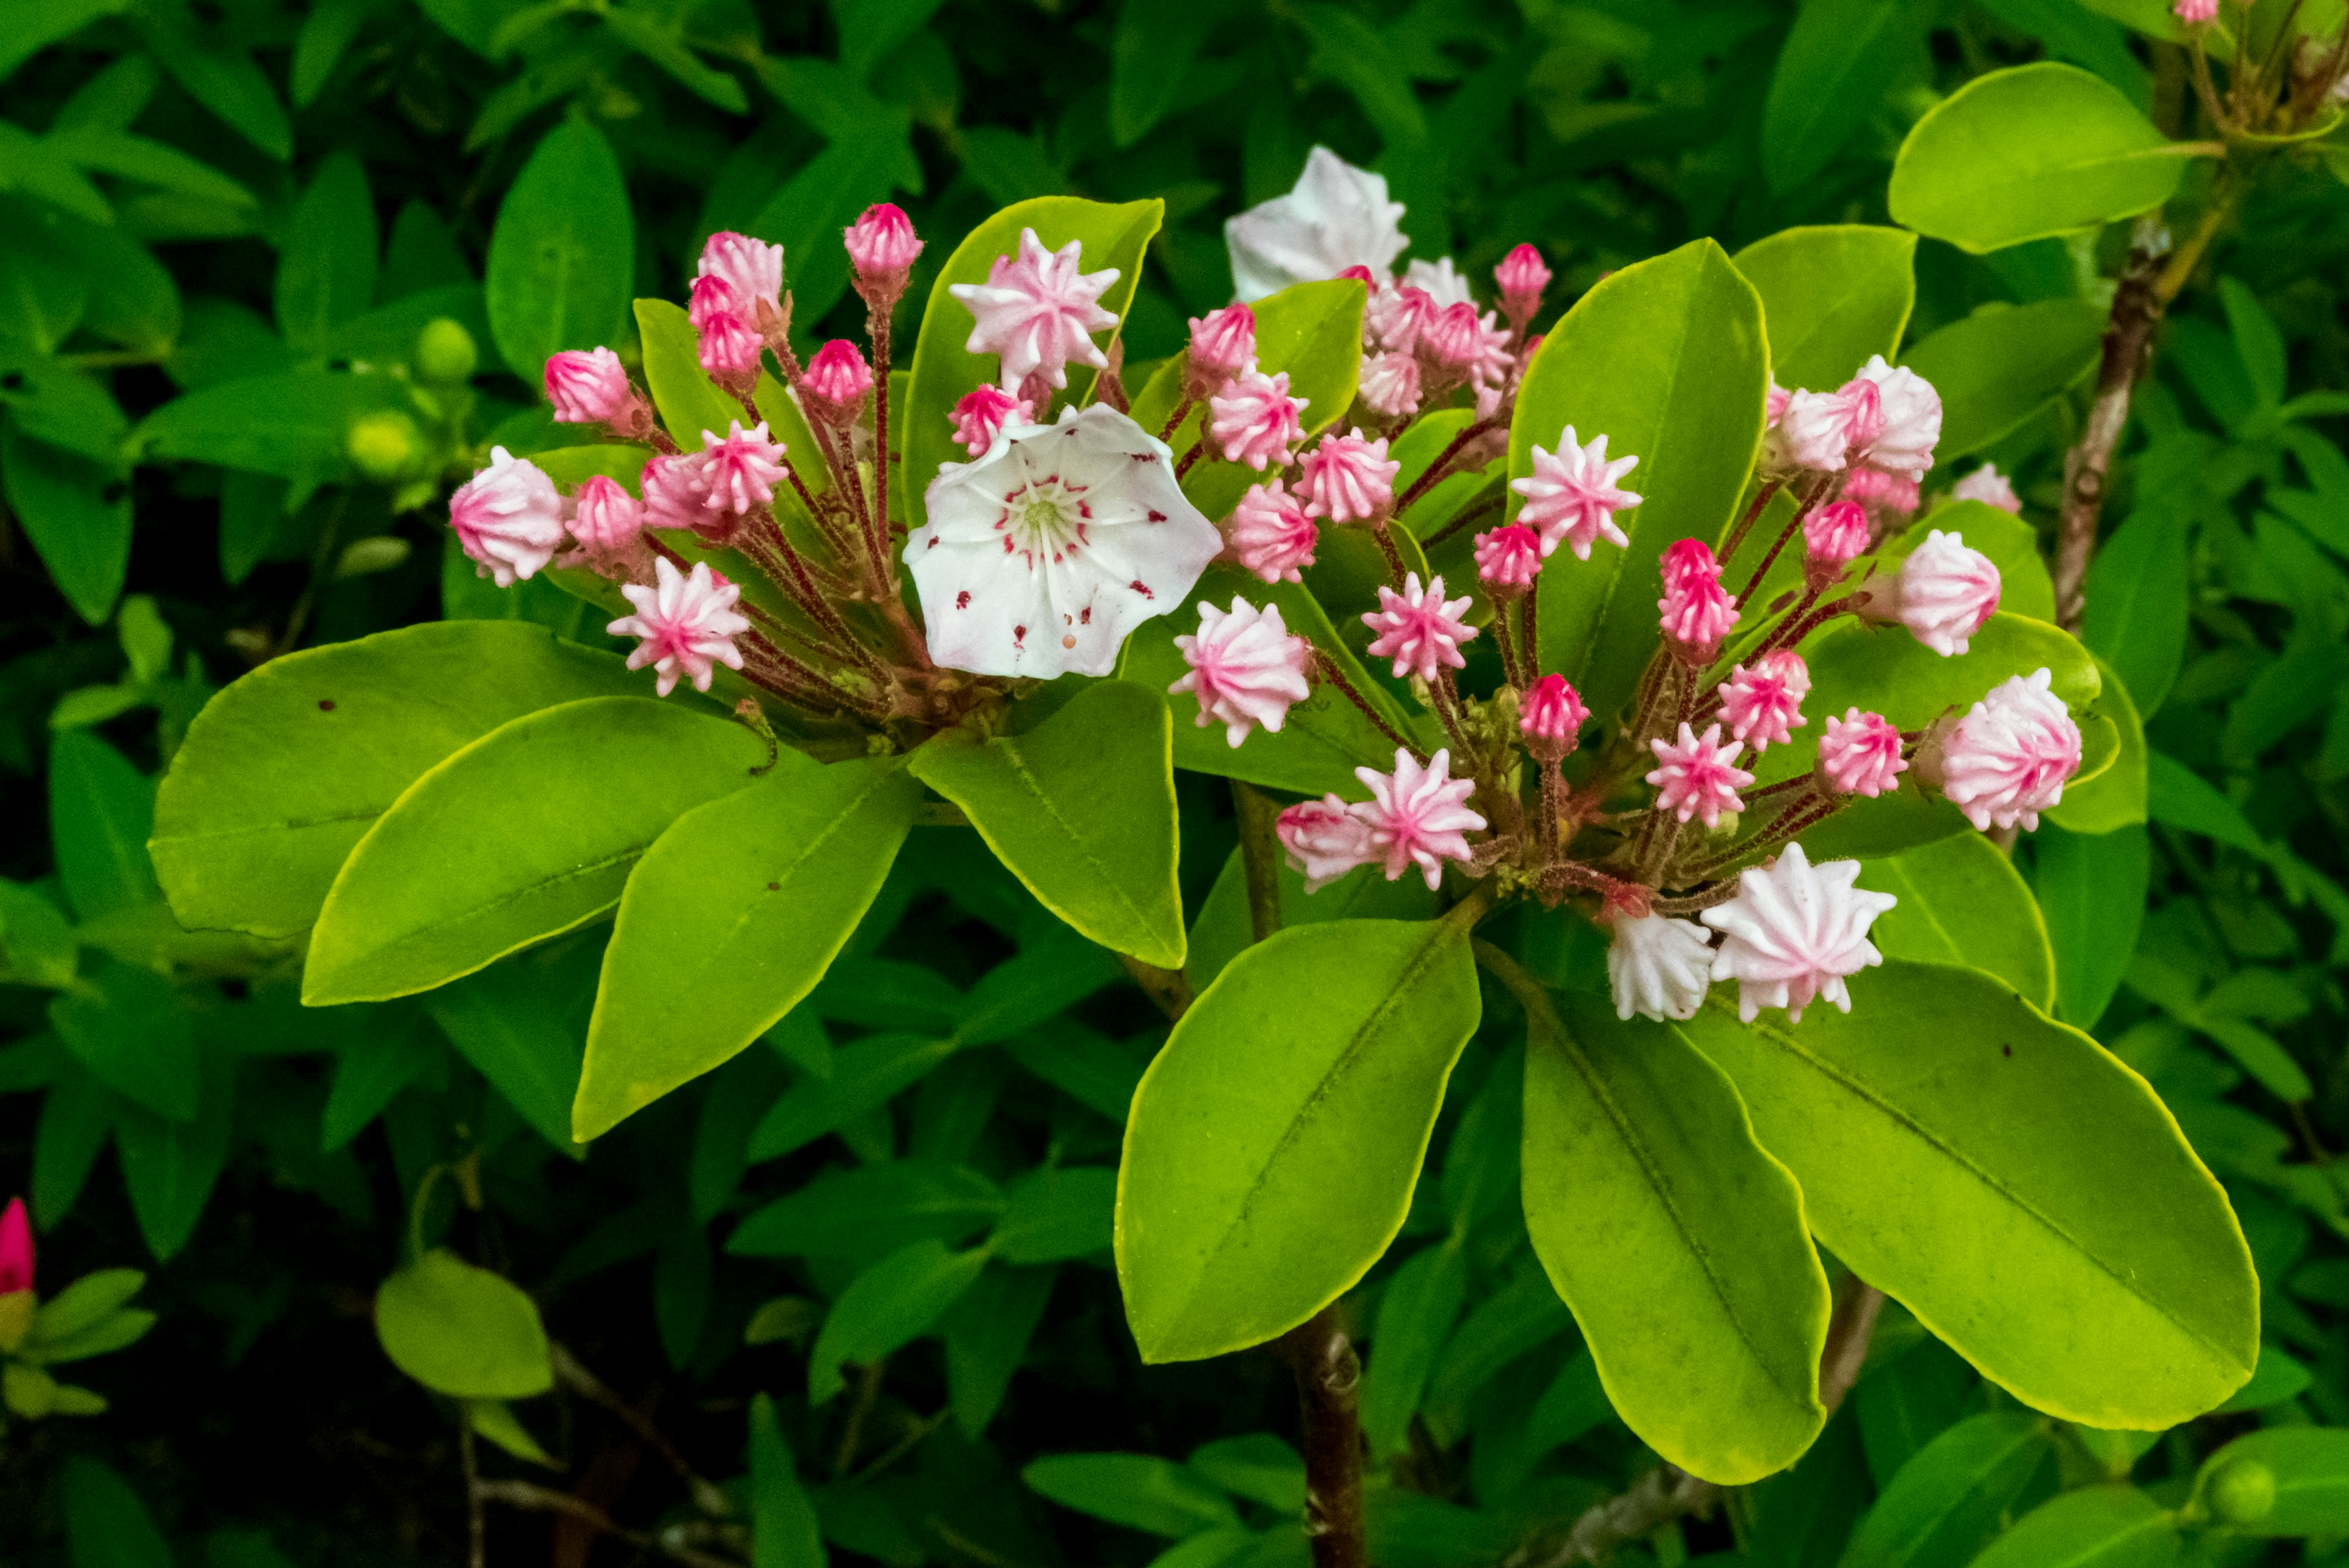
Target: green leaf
(1140, 1492)
(732, 915)
(2096, 1527)
(2092, 889)
(807, 213)
(326, 274)
(1081, 810)
(283, 773)
(462, 1331)
(783, 1530)
(1963, 902)
(2033, 150)
(76, 1119)
(887, 1306)
(866, 1213)
(1259, 1467)
(224, 78)
(662, 42)
(864, 1075)
(1831, 296)
(563, 256)
(76, 512)
(495, 1420)
(1417, 1307)
(2138, 604)
(2003, 364)
(171, 1166)
(127, 1026)
(35, 25)
(1057, 1213)
(290, 424)
(986, 1334)
(2176, 796)
(1113, 236)
(100, 812)
(106, 1525)
(1833, 72)
(518, 1024)
(326, 36)
(1275, 1141)
(87, 1304)
(1668, 360)
(2021, 1193)
(42, 293)
(2310, 1467)
(1639, 1164)
(1951, 1499)
(2116, 797)
(1225, 925)
(1151, 49)
(527, 833)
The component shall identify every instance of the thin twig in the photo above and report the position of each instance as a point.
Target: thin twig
(1259, 856)
(1434, 473)
(477, 1536)
(546, 1500)
(574, 1376)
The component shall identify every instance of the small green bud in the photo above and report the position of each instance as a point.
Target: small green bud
(2242, 1491)
(382, 445)
(445, 354)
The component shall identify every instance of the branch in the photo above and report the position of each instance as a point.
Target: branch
(1329, 1378)
(546, 1500)
(1259, 856)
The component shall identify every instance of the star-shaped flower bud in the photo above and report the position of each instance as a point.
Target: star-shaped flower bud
(1885, 494)
(1860, 753)
(1833, 535)
(1246, 668)
(1763, 706)
(1657, 967)
(711, 297)
(1254, 420)
(686, 626)
(1796, 932)
(741, 469)
(1041, 555)
(730, 351)
(1551, 715)
(1325, 839)
(1347, 478)
(1943, 593)
(2006, 761)
(1453, 344)
(1506, 560)
(1037, 313)
(1911, 410)
(1272, 534)
(509, 518)
(1819, 430)
(1571, 497)
(674, 490)
(1988, 485)
(1418, 817)
(1398, 316)
(1418, 629)
(607, 530)
(1694, 777)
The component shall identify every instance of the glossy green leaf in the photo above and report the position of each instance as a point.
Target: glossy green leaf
(1113, 236)
(282, 774)
(1951, 1499)
(1639, 1164)
(1275, 1141)
(731, 918)
(1669, 361)
(2096, 1527)
(2092, 889)
(2138, 604)
(2029, 151)
(1081, 810)
(562, 255)
(76, 510)
(1225, 925)
(1140, 1492)
(325, 274)
(2025, 1194)
(462, 1331)
(1963, 902)
(2310, 1467)
(893, 1302)
(2115, 797)
(2003, 364)
(1831, 296)
(1833, 72)
(528, 832)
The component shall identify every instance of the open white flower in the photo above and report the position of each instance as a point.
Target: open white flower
(1337, 216)
(1040, 556)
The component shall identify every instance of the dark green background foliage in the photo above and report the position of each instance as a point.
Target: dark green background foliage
(223, 224)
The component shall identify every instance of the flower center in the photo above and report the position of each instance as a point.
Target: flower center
(1044, 519)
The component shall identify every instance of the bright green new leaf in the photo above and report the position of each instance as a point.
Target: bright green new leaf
(1668, 360)
(1081, 810)
(1833, 72)
(282, 774)
(688, 402)
(1953, 1495)
(1274, 1143)
(2037, 149)
(2092, 889)
(1831, 296)
(92, 1305)
(2028, 1197)
(1641, 1165)
(495, 1420)
(1963, 902)
(1111, 236)
(564, 252)
(76, 510)
(528, 832)
(2310, 1467)
(326, 274)
(731, 918)
(2003, 364)
(2096, 1527)
(462, 1331)
(895, 1301)
(1140, 1492)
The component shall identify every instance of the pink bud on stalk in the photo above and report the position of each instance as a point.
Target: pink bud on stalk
(1254, 420)
(711, 297)
(1325, 839)
(1697, 609)
(882, 249)
(740, 469)
(1036, 313)
(1833, 536)
(1222, 344)
(1396, 316)
(1988, 485)
(1418, 817)
(1349, 479)
(1453, 344)
(751, 271)
(1763, 706)
(508, 518)
(1522, 277)
(1506, 560)
(836, 384)
(1549, 714)
(1571, 497)
(1860, 755)
(2006, 761)
(1695, 777)
(1943, 593)
(1794, 932)
(1246, 668)
(607, 524)
(588, 387)
(686, 626)
(1883, 493)
(16, 1254)
(1418, 629)
(674, 489)
(1272, 534)
(984, 410)
(2196, 13)
(1390, 385)
(729, 352)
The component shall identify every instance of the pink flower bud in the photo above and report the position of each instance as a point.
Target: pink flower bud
(1657, 967)
(1349, 478)
(15, 1249)
(1988, 485)
(2006, 761)
(836, 384)
(1943, 594)
(1882, 491)
(2196, 13)
(1419, 817)
(1246, 668)
(1763, 706)
(984, 410)
(740, 469)
(1549, 714)
(751, 270)
(1255, 421)
(1390, 384)
(1522, 277)
(1694, 776)
(508, 518)
(674, 489)
(608, 525)
(1909, 412)
(1418, 629)
(1860, 753)
(1697, 612)
(1571, 498)
(1223, 343)
(588, 387)
(686, 626)
(711, 297)
(1272, 534)
(1774, 404)
(1396, 318)
(1360, 274)
(1794, 932)
(1820, 430)
(882, 248)
(730, 351)
(1038, 314)
(1453, 342)
(1833, 535)
(1325, 839)
(1506, 560)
